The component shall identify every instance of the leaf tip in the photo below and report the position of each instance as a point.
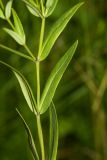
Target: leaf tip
(82, 3)
(76, 43)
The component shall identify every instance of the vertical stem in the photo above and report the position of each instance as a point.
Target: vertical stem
(41, 37)
(40, 134)
(98, 119)
(39, 126)
(42, 7)
(38, 82)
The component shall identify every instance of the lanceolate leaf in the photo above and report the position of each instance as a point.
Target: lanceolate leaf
(56, 30)
(33, 11)
(2, 14)
(30, 138)
(33, 8)
(27, 92)
(18, 25)
(53, 143)
(16, 52)
(8, 9)
(50, 6)
(15, 36)
(55, 77)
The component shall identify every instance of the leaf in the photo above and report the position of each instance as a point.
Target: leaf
(32, 11)
(2, 14)
(15, 36)
(50, 6)
(1, 4)
(56, 30)
(30, 138)
(55, 77)
(53, 145)
(18, 25)
(16, 52)
(33, 8)
(8, 9)
(27, 92)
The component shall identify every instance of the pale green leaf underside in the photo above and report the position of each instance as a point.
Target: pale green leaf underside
(18, 25)
(50, 6)
(32, 11)
(8, 9)
(53, 143)
(55, 77)
(15, 36)
(26, 90)
(56, 30)
(30, 138)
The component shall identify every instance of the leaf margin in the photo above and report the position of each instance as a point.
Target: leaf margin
(57, 29)
(53, 143)
(30, 137)
(33, 106)
(47, 94)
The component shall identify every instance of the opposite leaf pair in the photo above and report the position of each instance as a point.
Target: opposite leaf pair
(5, 14)
(42, 8)
(50, 86)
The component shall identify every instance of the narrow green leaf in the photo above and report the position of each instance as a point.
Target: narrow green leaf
(32, 11)
(1, 4)
(2, 14)
(50, 6)
(18, 25)
(15, 36)
(56, 30)
(16, 52)
(8, 9)
(53, 143)
(33, 8)
(49, 3)
(30, 138)
(27, 92)
(55, 77)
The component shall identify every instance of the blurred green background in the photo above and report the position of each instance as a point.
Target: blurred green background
(80, 99)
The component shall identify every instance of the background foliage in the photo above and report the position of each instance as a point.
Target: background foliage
(81, 96)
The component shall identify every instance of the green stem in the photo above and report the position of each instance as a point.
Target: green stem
(38, 82)
(40, 134)
(39, 127)
(29, 52)
(42, 7)
(41, 37)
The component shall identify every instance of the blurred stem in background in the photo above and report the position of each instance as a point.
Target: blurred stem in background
(99, 120)
(99, 117)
